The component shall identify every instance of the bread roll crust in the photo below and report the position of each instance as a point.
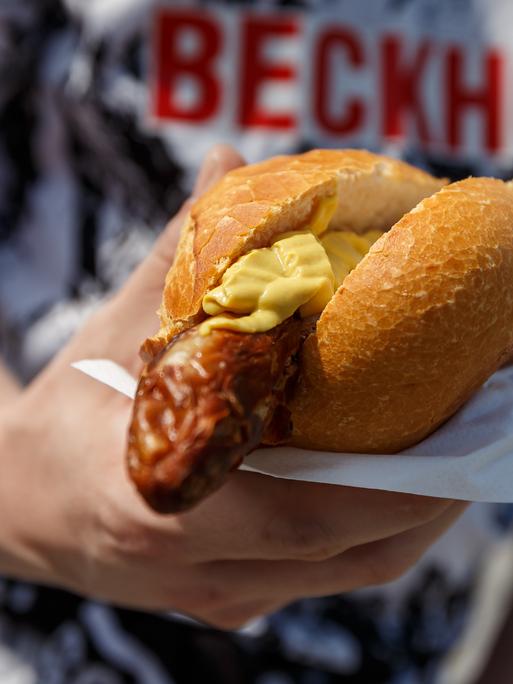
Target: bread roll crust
(253, 204)
(415, 329)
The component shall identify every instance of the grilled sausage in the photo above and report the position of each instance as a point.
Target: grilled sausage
(203, 404)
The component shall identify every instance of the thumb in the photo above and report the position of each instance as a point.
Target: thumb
(151, 273)
(132, 313)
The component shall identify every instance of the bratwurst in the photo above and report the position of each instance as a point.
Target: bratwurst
(203, 403)
(409, 285)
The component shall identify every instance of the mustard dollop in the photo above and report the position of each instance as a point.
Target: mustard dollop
(299, 271)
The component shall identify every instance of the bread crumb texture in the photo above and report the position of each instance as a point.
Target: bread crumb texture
(416, 328)
(253, 204)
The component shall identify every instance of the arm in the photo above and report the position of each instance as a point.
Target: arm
(69, 516)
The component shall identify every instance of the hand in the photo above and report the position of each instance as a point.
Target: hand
(70, 517)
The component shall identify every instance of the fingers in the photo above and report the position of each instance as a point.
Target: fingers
(258, 517)
(233, 592)
(221, 159)
(130, 317)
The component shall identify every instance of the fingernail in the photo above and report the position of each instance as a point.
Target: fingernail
(208, 173)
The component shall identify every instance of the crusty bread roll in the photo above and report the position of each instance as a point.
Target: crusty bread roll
(412, 331)
(416, 328)
(253, 204)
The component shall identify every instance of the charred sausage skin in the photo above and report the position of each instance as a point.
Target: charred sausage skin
(205, 402)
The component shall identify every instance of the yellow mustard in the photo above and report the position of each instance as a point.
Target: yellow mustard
(345, 249)
(323, 215)
(270, 284)
(299, 271)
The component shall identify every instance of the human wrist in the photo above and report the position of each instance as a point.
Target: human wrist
(18, 556)
(10, 563)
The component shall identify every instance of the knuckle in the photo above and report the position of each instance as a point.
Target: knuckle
(396, 568)
(134, 541)
(237, 616)
(421, 509)
(382, 568)
(193, 596)
(301, 538)
(122, 535)
(228, 622)
(208, 598)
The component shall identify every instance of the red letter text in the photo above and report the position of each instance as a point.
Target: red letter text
(256, 70)
(351, 117)
(401, 81)
(174, 63)
(486, 98)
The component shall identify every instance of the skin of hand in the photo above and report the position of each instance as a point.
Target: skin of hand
(70, 517)
(9, 388)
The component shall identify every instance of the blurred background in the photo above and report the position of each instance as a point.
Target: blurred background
(106, 109)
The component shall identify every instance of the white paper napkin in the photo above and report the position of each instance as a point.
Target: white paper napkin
(469, 458)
